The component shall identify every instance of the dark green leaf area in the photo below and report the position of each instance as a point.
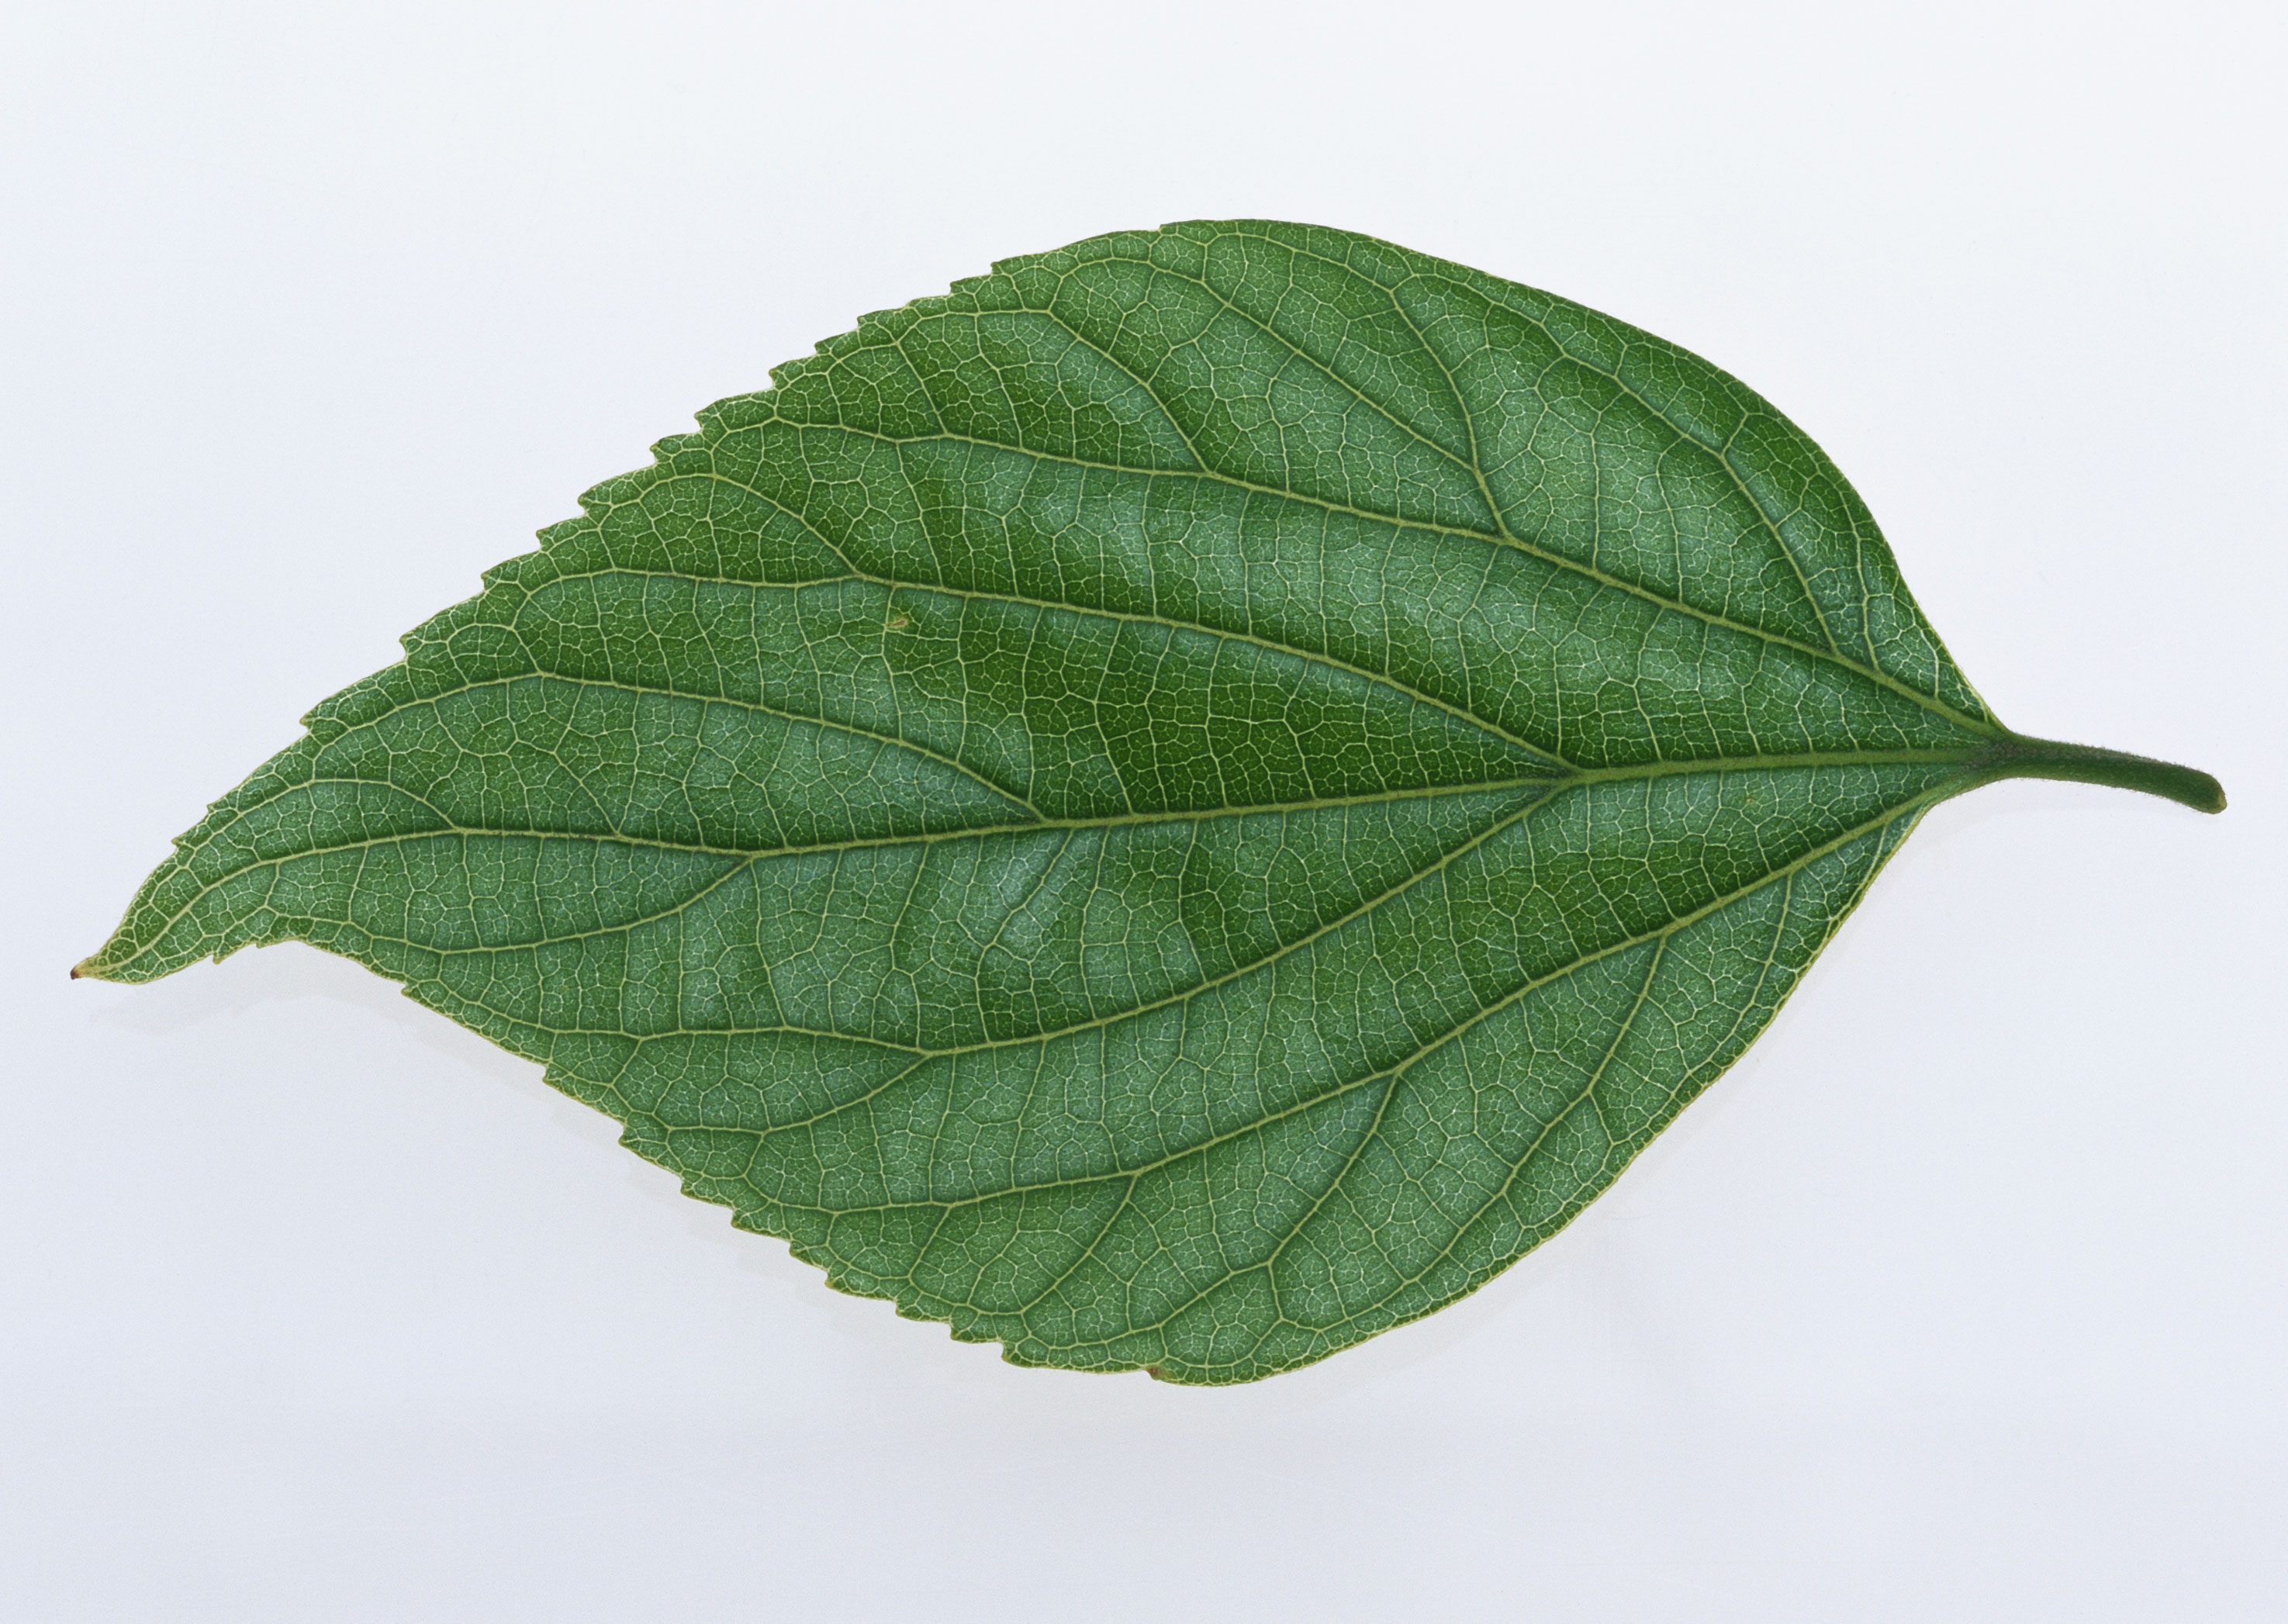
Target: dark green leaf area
(1179, 805)
(1263, 1171)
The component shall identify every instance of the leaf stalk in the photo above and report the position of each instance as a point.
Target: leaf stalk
(2086, 763)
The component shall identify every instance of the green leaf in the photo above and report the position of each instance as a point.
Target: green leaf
(1180, 805)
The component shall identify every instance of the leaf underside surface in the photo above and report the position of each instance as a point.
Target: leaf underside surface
(1178, 806)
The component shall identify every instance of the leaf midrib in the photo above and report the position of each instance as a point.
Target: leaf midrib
(1966, 756)
(923, 1053)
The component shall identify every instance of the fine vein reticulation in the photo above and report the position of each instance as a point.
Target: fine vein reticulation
(1180, 805)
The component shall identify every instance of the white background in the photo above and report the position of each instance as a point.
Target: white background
(1961, 1298)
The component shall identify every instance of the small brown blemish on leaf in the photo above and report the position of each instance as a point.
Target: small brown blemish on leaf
(898, 622)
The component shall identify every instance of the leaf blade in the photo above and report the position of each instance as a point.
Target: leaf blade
(1145, 807)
